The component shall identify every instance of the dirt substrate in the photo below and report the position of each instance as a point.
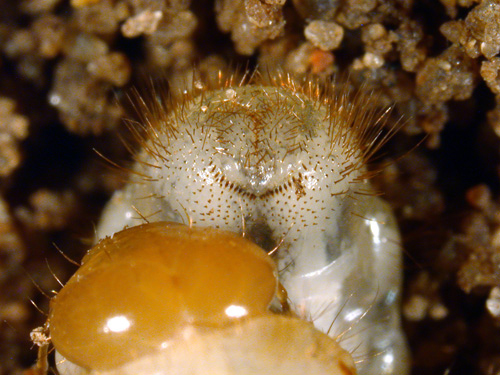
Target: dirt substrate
(66, 68)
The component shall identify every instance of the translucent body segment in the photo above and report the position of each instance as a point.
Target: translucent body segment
(287, 166)
(364, 282)
(262, 345)
(147, 286)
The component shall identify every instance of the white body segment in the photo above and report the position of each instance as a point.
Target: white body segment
(289, 172)
(241, 350)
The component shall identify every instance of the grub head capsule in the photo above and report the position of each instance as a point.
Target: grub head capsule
(146, 286)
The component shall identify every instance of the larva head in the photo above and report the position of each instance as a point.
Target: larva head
(147, 286)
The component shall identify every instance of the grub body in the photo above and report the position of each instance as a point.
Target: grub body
(285, 166)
